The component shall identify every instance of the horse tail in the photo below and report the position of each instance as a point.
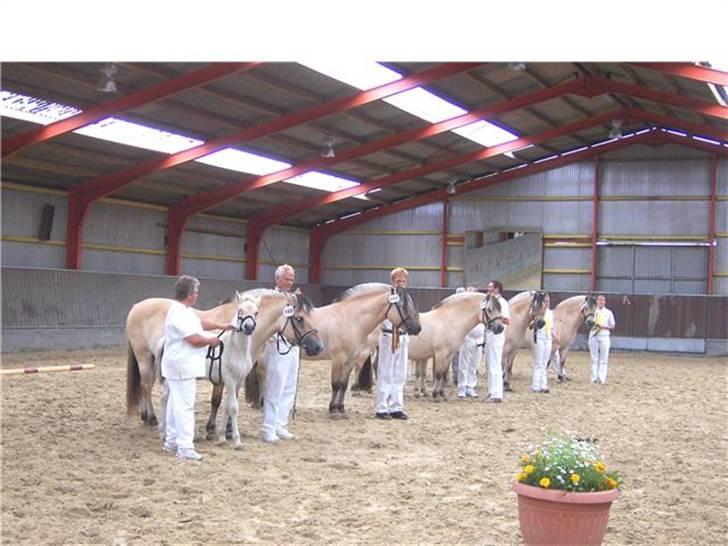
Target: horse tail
(365, 380)
(133, 382)
(252, 387)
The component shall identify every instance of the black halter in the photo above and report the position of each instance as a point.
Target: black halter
(300, 337)
(401, 307)
(487, 319)
(216, 356)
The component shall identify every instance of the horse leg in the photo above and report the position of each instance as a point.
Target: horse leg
(418, 374)
(235, 410)
(225, 415)
(507, 371)
(145, 358)
(335, 386)
(215, 400)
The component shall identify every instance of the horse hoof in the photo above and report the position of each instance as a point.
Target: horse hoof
(507, 388)
(152, 421)
(334, 415)
(356, 393)
(417, 395)
(220, 441)
(239, 446)
(210, 435)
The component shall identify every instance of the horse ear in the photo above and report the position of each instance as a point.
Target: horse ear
(238, 297)
(297, 291)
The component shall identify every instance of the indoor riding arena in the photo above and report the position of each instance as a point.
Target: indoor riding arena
(567, 179)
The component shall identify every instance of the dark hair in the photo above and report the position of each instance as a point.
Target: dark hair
(498, 285)
(185, 286)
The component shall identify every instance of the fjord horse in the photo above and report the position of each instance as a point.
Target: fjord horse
(443, 330)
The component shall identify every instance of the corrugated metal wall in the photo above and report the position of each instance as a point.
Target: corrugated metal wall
(720, 283)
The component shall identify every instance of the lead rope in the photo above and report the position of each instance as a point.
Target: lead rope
(212, 357)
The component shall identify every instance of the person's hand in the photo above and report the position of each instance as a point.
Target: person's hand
(215, 341)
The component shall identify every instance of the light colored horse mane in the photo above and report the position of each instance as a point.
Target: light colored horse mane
(456, 298)
(362, 289)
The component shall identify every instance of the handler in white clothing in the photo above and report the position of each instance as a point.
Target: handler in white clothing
(599, 340)
(281, 373)
(494, 347)
(542, 347)
(392, 372)
(469, 356)
(182, 362)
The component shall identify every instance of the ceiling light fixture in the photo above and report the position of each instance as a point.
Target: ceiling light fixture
(106, 82)
(518, 67)
(616, 130)
(328, 152)
(451, 189)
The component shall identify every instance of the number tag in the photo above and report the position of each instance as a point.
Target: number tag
(288, 311)
(394, 298)
(484, 305)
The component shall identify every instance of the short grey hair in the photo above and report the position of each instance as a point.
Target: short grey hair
(185, 286)
(282, 269)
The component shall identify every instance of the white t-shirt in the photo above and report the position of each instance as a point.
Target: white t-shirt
(476, 335)
(602, 317)
(545, 332)
(181, 359)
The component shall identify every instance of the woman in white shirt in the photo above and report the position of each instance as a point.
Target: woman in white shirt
(599, 340)
(542, 347)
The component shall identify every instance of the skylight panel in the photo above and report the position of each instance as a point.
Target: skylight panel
(245, 162)
(425, 105)
(139, 136)
(34, 110)
(362, 75)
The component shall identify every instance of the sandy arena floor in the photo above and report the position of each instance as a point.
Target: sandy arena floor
(76, 469)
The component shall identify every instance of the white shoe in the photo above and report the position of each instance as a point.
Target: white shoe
(471, 393)
(462, 395)
(283, 434)
(170, 447)
(189, 454)
(270, 437)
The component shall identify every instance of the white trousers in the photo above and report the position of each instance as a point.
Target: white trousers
(281, 375)
(180, 414)
(599, 350)
(493, 355)
(392, 374)
(468, 359)
(541, 352)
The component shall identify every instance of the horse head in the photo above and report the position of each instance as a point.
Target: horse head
(537, 308)
(492, 314)
(299, 329)
(247, 312)
(588, 308)
(403, 311)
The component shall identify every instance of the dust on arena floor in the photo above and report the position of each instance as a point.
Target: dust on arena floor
(76, 469)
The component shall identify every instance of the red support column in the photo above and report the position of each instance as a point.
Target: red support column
(443, 261)
(711, 222)
(175, 228)
(253, 237)
(316, 243)
(595, 225)
(77, 209)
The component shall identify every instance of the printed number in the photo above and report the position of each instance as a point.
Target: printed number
(394, 298)
(288, 311)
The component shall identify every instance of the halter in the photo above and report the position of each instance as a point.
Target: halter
(587, 315)
(404, 316)
(300, 337)
(487, 320)
(214, 356)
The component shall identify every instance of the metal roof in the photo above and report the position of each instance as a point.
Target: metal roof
(254, 94)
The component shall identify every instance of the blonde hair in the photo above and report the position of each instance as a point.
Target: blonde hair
(397, 271)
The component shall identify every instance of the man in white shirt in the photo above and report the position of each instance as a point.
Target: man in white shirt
(182, 362)
(494, 347)
(469, 356)
(599, 340)
(281, 374)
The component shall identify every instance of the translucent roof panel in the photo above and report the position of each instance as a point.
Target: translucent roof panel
(35, 110)
(418, 101)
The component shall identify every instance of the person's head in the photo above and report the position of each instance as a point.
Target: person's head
(601, 301)
(399, 277)
(285, 277)
(459, 289)
(547, 300)
(495, 288)
(186, 290)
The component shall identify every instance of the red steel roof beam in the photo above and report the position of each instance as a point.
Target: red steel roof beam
(165, 89)
(690, 71)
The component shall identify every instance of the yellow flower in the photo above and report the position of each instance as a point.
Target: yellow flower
(575, 479)
(545, 483)
(611, 483)
(599, 466)
(528, 469)
(525, 459)
(521, 477)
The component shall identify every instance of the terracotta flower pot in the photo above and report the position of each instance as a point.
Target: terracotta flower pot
(550, 516)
